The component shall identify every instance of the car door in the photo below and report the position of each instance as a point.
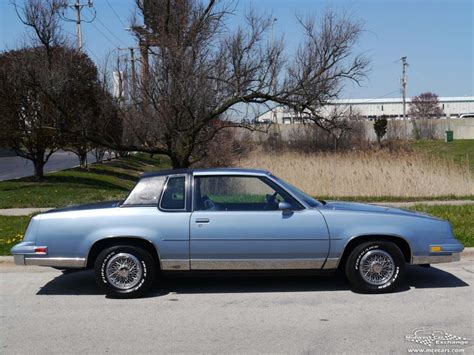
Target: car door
(236, 224)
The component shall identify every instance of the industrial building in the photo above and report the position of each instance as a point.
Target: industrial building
(453, 107)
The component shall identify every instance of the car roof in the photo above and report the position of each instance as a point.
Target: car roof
(209, 171)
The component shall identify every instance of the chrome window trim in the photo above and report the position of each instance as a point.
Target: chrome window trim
(261, 177)
(185, 194)
(305, 205)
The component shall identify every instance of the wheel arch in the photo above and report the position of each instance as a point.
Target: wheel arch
(398, 240)
(109, 241)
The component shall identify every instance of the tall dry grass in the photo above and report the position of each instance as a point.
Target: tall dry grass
(372, 173)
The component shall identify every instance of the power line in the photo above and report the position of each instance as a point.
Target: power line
(111, 33)
(115, 13)
(104, 35)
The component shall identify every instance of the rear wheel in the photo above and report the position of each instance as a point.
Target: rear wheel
(375, 267)
(124, 271)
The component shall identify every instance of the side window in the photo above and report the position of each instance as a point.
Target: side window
(235, 193)
(174, 195)
(147, 192)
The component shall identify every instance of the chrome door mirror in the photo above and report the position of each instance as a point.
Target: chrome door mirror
(284, 206)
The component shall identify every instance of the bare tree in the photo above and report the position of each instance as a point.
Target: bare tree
(196, 73)
(43, 18)
(422, 108)
(49, 92)
(426, 106)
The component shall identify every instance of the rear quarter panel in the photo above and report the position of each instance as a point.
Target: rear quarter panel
(72, 233)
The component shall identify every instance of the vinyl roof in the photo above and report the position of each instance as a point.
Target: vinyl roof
(210, 171)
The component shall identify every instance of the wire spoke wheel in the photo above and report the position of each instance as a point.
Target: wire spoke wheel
(123, 271)
(376, 267)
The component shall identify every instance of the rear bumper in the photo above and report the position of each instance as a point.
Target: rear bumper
(26, 253)
(69, 263)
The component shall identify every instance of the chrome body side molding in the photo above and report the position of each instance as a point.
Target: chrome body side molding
(175, 264)
(256, 264)
(331, 263)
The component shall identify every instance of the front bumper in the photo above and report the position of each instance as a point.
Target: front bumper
(446, 253)
(436, 259)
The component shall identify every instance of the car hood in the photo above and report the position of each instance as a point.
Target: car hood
(89, 206)
(369, 208)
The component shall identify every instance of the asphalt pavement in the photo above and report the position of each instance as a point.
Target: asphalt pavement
(15, 167)
(45, 311)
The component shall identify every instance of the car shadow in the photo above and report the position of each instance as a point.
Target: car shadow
(431, 277)
(83, 283)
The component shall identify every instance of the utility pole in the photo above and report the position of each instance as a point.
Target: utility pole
(403, 81)
(134, 72)
(77, 7)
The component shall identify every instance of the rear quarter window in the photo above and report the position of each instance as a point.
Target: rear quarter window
(147, 192)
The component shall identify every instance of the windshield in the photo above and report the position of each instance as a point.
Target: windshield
(312, 202)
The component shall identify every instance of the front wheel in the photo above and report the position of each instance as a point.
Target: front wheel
(124, 271)
(375, 267)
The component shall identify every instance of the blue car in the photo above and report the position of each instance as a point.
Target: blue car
(232, 219)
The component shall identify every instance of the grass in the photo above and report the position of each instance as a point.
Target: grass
(12, 228)
(396, 198)
(105, 181)
(369, 175)
(461, 218)
(460, 151)
(434, 170)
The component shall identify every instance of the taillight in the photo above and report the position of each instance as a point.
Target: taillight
(41, 250)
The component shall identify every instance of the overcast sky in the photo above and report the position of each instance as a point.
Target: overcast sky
(435, 35)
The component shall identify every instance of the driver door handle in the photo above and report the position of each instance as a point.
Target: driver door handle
(202, 220)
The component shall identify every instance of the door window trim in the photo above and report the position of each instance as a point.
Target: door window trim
(186, 183)
(265, 179)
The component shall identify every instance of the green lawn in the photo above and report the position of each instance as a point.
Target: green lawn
(394, 198)
(106, 181)
(461, 217)
(12, 230)
(460, 151)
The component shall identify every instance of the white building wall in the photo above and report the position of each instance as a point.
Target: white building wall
(373, 108)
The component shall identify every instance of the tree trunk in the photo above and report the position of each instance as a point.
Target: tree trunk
(39, 169)
(179, 163)
(82, 159)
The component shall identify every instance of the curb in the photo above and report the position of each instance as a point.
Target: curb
(23, 211)
(467, 253)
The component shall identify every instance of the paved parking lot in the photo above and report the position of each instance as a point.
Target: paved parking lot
(45, 311)
(14, 167)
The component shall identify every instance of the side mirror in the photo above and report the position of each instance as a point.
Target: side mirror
(284, 206)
